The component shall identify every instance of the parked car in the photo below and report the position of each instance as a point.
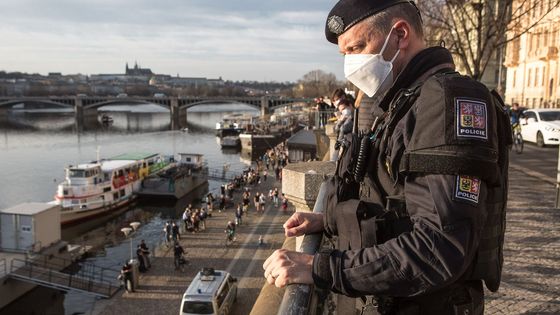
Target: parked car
(541, 126)
(210, 292)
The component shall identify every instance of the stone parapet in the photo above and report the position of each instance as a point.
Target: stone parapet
(332, 134)
(301, 182)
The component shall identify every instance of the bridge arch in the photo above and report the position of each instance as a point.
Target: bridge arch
(125, 101)
(187, 105)
(9, 103)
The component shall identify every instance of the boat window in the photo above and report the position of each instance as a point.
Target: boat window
(83, 201)
(106, 189)
(122, 192)
(88, 173)
(115, 196)
(76, 173)
(65, 192)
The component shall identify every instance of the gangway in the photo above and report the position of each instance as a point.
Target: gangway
(62, 274)
(220, 174)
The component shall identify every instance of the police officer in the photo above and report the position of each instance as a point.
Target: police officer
(426, 229)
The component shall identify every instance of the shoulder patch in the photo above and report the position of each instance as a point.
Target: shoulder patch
(467, 188)
(472, 119)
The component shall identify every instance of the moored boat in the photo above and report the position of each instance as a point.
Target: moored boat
(179, 179)
(100, 187)
(230, 142)
(234, 124)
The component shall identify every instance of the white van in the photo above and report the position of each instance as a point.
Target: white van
(211, 292)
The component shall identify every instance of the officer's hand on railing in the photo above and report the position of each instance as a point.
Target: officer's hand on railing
(285, 267)
(301, 223)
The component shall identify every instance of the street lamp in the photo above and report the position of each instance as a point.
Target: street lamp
(127, 231)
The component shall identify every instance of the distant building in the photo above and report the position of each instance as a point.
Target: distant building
(533, 76)
(138, 71)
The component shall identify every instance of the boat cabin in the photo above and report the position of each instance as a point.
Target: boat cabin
(84, 174)
(191, 160)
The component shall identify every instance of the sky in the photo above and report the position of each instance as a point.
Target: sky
(261, 40)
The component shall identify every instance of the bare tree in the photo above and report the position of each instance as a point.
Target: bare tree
(316, 83)
(476, 31)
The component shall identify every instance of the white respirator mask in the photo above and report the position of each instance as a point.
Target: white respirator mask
(370, 72)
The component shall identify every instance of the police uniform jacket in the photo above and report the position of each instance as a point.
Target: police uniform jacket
(446, 207)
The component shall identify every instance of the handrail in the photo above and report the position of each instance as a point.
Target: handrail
(3, 268)
(53, 278)
(298, 298)
(322, 117)
(64, 265)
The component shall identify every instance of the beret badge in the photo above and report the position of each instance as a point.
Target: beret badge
(336, 24)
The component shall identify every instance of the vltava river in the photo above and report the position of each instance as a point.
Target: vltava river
(37, 146)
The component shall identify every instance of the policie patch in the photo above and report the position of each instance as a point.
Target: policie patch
(472, 119)
(467, 188)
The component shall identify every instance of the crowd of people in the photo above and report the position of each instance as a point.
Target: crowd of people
(341, 106)
(252, 199)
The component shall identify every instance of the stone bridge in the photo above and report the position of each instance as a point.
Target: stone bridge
(85, 108)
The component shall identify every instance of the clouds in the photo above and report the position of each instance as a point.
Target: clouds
(253, 40)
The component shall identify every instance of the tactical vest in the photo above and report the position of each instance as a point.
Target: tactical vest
(436, 147)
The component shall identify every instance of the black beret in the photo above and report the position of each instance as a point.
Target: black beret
(346, 13)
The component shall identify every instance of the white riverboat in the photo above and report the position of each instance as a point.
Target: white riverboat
(101, 187)
(234, 124)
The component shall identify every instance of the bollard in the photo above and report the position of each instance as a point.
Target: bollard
(135, 273)
(557, 203)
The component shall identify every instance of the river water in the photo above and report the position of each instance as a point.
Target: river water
(38, 145)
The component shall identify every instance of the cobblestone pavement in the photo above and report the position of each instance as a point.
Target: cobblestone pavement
(162, 287)
(531, 274)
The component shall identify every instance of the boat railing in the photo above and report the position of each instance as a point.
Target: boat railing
(305, 298)
(157, 166)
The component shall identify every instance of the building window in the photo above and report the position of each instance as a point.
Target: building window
(514, 78)
(497, 76)
(536, 76)
(529, 77)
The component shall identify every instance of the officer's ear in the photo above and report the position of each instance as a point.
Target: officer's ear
(403, 30)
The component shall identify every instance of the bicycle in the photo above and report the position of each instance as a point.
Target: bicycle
(230, 237)
(180, 263)
(517, 138)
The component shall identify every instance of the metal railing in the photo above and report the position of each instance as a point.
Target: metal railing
(321, 118)
(35, 273)
(69, 266)
(219, 174)
(3, 268)
(303, 298)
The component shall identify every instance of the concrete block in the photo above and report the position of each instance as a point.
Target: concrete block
(301, 182)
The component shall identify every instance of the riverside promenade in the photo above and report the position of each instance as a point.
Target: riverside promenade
(161, 288)
(530, 280)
